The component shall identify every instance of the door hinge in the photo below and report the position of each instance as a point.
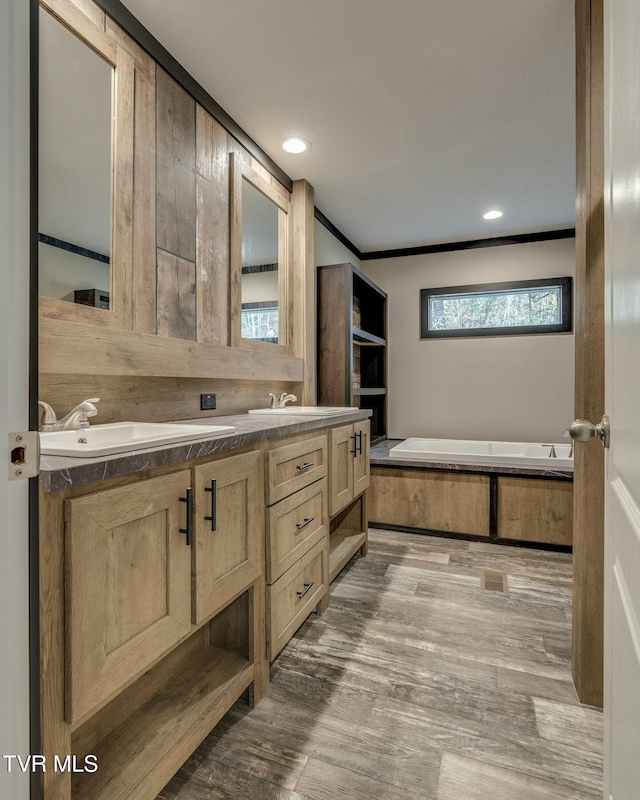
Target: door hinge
(24, 455)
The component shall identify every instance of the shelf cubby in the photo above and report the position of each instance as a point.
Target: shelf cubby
(348, 536)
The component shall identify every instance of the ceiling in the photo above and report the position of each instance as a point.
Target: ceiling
(423, 114)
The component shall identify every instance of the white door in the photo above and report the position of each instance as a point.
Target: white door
(14, 388)
(622, 321)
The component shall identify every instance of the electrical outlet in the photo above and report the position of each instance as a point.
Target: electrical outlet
(207, 402)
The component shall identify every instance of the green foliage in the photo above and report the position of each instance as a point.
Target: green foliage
(496, 310)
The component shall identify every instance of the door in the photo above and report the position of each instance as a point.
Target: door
(128, 564)
(622, 380)
(341, 468)
(229, 531)
(14, 395)
(361, 463)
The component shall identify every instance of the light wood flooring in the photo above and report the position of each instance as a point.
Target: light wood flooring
(415, 684)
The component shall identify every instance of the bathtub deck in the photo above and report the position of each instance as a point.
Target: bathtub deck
(380, 458)
(415, 684)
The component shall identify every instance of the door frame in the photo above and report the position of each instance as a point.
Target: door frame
(588, 487)
(19, 610)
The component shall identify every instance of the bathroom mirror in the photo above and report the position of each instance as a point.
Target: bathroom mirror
(260, 292)
(259, 254)
(75, 175)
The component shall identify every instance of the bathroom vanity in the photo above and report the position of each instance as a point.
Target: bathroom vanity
(171, 577)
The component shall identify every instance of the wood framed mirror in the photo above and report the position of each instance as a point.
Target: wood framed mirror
(86, 129)
(259, 255)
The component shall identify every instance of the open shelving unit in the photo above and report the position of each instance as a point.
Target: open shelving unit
(348, 535)
(352, 343)
(143, 735)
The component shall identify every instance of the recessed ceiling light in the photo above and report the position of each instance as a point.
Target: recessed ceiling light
(493, 214)
(295, 145)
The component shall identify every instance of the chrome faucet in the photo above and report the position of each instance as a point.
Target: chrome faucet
(282, 402)
(49, 419)
(76, 419)
(566, 435)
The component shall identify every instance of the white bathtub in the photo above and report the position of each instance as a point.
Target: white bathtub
(462, 451)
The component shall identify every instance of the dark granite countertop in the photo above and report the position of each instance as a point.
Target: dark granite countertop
(62, 472)
(380, 458)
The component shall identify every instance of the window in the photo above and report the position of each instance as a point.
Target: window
(260, 321)
(496, 309)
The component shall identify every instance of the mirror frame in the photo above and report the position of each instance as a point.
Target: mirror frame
(119, 314)
(239, 171)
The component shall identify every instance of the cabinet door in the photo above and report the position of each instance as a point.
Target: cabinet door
(229, 531)
(341, 473)
(361, 462)
(128, 592)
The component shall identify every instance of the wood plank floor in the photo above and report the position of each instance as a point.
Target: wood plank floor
(415, 684)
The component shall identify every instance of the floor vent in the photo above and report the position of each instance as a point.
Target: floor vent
(493, 581)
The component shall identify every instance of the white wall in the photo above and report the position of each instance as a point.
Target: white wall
(14, 363)
(517, 388)
(62, 271)
(329, 250)
(259, 287)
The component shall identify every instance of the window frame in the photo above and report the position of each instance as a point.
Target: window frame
(566, 326)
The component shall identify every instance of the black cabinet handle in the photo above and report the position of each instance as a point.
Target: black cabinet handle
(307, 521)
(214, 505)
(360, 442)
(354, 452)
(307, 586)
(189, 529)
(306, 465)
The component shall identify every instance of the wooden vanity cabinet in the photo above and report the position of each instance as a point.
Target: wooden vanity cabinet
(348, 480)
(297, 553)
(229, 531)
(128, 595)
(349, 464)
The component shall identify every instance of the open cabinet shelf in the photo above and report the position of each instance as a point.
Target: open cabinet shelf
(132, 758)
(352, 343)
(344, 544)
(348, 535)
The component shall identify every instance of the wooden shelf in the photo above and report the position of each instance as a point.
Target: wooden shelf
(363, 338)
(143, 753)
(359, 392)
(352, 342)
(344, 543)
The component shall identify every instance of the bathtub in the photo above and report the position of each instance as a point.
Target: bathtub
(460, 451)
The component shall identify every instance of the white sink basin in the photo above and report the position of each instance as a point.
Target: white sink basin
(121, 437)
(305, 411)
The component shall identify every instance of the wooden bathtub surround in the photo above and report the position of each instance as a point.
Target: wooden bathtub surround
(535, 510)
(172, 299)
(588, 554)
(147, 641)
(440, 501)
(497, 507)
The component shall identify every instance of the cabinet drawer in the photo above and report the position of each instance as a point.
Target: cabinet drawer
(294, 526)
(287, 609)
(294, 466)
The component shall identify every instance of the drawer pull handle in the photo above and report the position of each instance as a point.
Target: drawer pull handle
(306, 465)
(354, 452)
(307, 521)
(214, 505)
(359, 442)
(307, 586)
(188, 531)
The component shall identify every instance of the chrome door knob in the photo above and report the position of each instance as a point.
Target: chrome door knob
(581, 430)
